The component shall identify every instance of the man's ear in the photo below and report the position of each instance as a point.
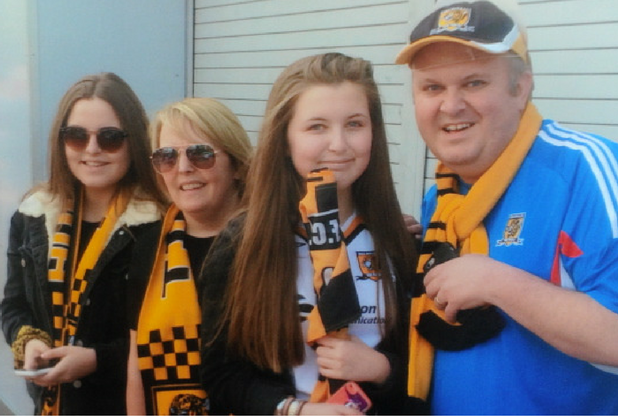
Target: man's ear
(525, 85)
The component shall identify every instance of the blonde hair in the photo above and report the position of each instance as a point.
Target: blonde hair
(213, 122)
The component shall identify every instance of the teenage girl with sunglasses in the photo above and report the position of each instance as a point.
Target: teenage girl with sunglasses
(267, 347)
(202, 159)
(70, 246)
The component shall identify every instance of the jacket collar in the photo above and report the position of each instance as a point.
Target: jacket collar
(44, 203)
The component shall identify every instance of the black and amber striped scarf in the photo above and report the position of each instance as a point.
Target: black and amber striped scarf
(337, 304)
(168, 344)
(67, 275)
(458, 221)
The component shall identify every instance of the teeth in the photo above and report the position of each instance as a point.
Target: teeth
(95, 164)
(457, 127)
(191, 186)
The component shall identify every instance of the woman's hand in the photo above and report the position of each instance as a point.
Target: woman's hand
(74, 363)
(351, 359)
(32, 355)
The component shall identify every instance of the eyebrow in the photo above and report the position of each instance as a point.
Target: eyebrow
(474, 75)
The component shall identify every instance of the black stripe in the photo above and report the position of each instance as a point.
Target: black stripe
(446, 191)
(447, 175)
(436, 225)
(354, 233)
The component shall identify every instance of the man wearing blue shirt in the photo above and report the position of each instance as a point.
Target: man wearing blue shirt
(531, 209)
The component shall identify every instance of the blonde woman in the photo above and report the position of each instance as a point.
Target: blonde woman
(202, 156)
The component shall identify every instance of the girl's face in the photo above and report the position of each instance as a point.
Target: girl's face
(99, 170)
(331, 127)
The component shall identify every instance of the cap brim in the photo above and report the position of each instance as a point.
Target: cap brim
(406, 54)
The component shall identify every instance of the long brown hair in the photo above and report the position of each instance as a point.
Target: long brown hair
(261, 307)
(133, 120)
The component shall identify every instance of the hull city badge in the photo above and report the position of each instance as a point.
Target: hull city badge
(456, 18)
(366, 262)
(512, 231)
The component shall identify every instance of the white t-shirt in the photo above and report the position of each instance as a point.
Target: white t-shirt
(369, 327)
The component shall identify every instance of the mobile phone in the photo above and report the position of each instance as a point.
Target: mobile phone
(351, 395)
(32, 373)
(442, 253)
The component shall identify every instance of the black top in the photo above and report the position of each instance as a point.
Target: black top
(197, 248)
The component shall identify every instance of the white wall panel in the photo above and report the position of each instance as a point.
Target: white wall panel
(242, 45)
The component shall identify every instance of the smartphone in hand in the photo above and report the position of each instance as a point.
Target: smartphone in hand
(351, 395)
(32, 373)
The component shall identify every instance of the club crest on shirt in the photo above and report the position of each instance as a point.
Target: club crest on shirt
(452, 19)
(512, 230)
(366, 263)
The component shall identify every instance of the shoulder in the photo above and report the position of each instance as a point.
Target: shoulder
(40, 203)
(139, 212)
(221, 255)
(230, 235)
(562, 149)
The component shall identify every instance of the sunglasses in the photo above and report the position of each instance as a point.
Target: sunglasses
(202, 156)
(109, 139)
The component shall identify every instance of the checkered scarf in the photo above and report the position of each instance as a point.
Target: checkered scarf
(63, 270)
(168, 344)
(337, 304)
(458, 220)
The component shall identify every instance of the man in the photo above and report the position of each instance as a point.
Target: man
(530, 207)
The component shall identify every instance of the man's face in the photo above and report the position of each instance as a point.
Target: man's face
(466, 107)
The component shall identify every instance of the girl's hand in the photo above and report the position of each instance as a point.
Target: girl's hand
(74, 363)
(328, 409)
(351, 359)
(32, 355)
(413, 226)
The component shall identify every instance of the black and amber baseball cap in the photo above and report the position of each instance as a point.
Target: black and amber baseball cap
(482, 25)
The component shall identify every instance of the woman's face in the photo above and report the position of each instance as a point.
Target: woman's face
(199, 193)
(331, 127)
(99, 170)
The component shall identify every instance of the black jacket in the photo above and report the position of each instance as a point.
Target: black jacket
(102, 324)
(237, 386)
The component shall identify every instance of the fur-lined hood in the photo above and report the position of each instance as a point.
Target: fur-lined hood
(43, 203)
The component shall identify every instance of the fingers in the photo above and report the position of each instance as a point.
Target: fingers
(412, 225)
(54, 353)
(439, 304)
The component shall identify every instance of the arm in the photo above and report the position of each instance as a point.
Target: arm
(571, 321)
(15, 308)
(234, 385)
(135, 390)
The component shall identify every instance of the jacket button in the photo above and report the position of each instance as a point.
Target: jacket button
(121, 232)
(88, 302)
(79, 343)
(77, 384)
(23, 263)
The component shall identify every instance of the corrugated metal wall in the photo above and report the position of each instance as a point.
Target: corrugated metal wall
(242, 45)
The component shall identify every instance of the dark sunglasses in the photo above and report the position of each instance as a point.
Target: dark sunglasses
(109, 139)
(202, 156)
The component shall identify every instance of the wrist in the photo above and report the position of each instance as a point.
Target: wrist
(290, 406)
(26, 334)
(282, 406)
(383, 370)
